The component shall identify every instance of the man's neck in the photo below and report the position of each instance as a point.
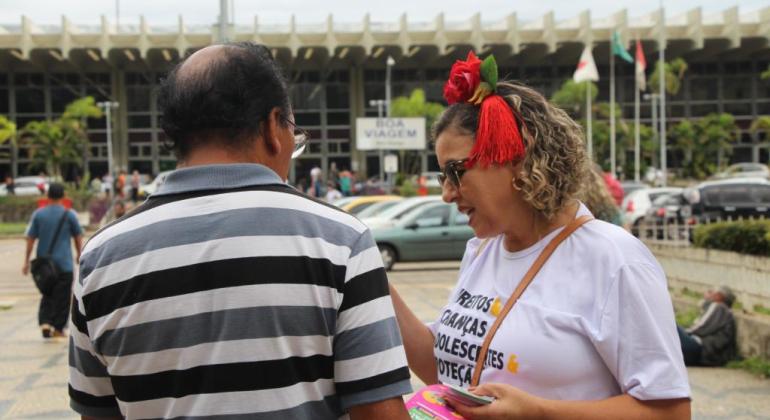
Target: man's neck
(215, 156)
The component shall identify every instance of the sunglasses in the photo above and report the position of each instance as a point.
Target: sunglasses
(453, 171)
(301, 137)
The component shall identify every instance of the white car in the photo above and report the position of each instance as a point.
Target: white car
(26, 186)
(744, 170)
(636, 204)
(389, 217)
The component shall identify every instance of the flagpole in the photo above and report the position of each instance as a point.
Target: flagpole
(589, 134)
(612, 110)
(636, 127)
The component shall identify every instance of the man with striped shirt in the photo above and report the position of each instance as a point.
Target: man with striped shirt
(228, 293)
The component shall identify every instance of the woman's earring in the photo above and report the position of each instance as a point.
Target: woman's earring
(515, 186)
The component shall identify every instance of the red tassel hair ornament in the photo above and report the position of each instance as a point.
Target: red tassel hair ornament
(498, 139)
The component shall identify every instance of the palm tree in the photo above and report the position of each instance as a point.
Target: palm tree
(415, 105)
(7, 133)
(54, 143)
(674, 71)
(761, 125)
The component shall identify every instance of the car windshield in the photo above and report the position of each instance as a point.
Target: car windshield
(377, 209)
(403, 207)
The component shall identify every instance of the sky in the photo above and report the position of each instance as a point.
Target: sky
(162, 12)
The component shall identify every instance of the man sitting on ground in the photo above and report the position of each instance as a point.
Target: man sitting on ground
(710, 341)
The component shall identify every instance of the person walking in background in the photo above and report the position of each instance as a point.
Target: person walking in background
(227, 293)
(595, 194)
(108, 184)
(10, 187)
(332, 193)
(135, 182)
(614, 186)
(54, 308)
(346, 182)
(711, 339)
(316, 184)
(120, 184)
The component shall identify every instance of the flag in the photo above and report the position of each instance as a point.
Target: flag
(586, 68)
(641, 65)
(617, 48)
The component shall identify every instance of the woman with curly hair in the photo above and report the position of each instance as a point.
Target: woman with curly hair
(592, 331)
(595, 194)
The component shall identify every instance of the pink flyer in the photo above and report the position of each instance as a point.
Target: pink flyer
(429, 404)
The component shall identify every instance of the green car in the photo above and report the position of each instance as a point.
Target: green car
(433, 231)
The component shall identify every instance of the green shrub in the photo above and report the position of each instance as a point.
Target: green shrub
(407, 188)
(745, 237)
(15, 209)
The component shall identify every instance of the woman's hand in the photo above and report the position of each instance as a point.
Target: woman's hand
(510, 403)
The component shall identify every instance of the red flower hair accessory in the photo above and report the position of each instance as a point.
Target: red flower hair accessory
(498, 139)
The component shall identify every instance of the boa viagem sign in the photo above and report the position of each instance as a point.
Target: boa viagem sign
(390, 133)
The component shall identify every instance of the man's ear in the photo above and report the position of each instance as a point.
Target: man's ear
(271, 131)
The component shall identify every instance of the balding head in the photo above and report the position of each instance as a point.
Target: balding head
(200, 61)
(221, 93)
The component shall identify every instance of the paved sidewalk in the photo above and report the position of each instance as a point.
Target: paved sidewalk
(33, 372)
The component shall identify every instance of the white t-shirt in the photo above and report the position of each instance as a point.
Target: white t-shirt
(596, 322)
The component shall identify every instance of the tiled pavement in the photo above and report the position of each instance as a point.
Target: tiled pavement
(33, 372)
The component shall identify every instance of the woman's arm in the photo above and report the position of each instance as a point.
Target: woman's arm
(418, 340)
(513, 403)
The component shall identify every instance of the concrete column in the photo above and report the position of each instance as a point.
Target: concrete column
(357, 109)
(12, 117)
(120, 119)
(155, 128)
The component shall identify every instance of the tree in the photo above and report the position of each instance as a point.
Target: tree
(55, 143)
(761, 125)
(674, 71)
(571, 97)
(685, 137)
(705, 143)
(7, 132)
(415, 105)
(765, 74)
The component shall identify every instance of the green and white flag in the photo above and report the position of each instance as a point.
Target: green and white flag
(617, 48)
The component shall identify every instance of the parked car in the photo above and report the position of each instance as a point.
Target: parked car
(668, 217)
(377, 209)
(392, 215)
(744, 170)
(631, 186)
(636, 204)
(147, 189)
(729, 199)
(344, 200)
(358, 204)
(434, 231)
(27, 186)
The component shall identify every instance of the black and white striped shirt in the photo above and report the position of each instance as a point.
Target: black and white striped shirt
(228, 293)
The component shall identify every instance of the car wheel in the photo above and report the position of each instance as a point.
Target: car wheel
(636, 226)
(388, 255)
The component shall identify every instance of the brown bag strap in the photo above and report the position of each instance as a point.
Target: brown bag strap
(533, 270)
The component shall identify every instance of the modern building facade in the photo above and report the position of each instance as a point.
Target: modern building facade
(336, 69)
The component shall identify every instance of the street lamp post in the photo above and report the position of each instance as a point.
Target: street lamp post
(107, 106)
(389, 63)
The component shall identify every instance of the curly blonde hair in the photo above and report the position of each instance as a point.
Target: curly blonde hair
(555, 161)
